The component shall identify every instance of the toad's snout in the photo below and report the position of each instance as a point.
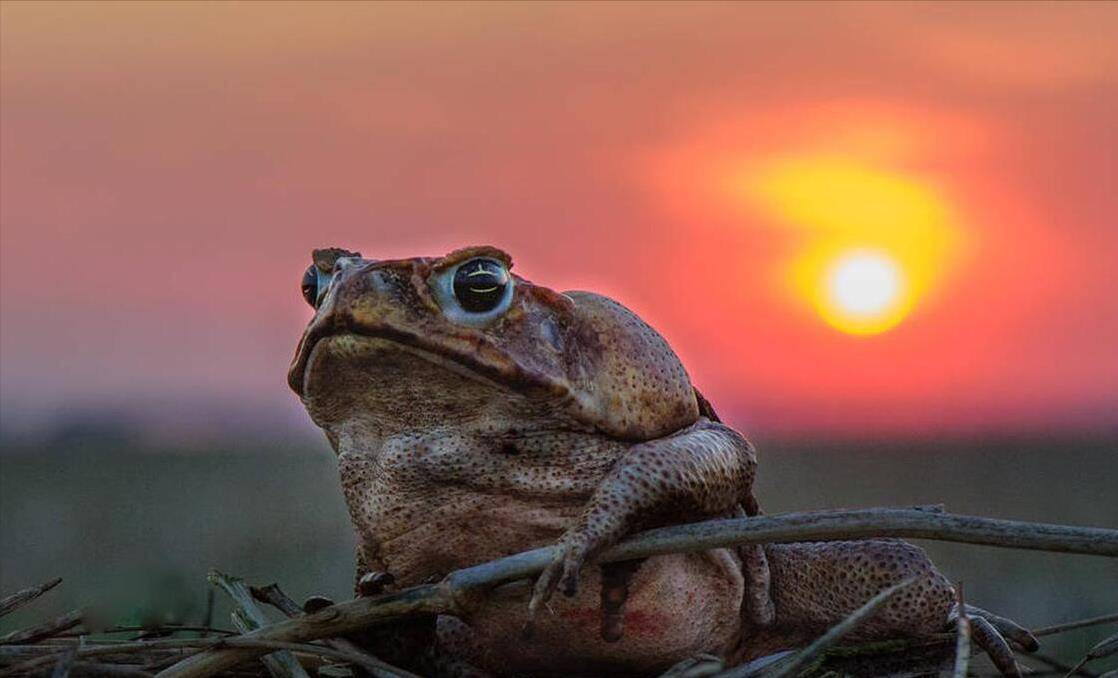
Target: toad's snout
(348, 279)
(332, 287)
(358, 296)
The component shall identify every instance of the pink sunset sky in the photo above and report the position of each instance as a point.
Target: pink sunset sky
(167, 168)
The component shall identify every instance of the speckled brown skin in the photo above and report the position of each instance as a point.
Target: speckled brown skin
(565, 419)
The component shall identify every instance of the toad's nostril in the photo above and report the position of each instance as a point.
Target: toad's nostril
(346, 263)
(329, 259)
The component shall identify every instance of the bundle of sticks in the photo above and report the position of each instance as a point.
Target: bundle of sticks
(314, 638)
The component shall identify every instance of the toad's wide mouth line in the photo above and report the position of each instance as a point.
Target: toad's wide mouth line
(505, 374)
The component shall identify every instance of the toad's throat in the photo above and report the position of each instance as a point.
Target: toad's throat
(469, 355)
(381, 353)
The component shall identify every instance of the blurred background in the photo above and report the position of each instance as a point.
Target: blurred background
(882, 237)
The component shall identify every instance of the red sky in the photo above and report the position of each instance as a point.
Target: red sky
(166, 169)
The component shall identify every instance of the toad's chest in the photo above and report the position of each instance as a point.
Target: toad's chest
(426, 504)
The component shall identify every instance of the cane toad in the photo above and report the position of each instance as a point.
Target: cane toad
(476, 414)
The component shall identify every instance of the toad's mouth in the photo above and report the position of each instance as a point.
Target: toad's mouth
(467, 355)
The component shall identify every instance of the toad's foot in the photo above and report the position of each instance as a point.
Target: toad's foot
(704, 470)
(990, 632)
(564, 568)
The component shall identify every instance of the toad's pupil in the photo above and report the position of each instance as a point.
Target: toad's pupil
(310, 286)
(479, 285)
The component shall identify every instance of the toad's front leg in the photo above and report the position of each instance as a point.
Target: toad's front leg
(706, 469)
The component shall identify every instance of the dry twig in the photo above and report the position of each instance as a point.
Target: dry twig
(20, 598)
(247, 616)
(273, 595)
(1103, 648)
(962, 637)
(44, 630)
(1077, 624)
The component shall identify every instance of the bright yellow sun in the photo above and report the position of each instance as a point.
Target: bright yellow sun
(873, 243)
(864, 292)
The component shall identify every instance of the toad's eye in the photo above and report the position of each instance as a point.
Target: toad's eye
(474, 293)
(310, 286)
(480, 285)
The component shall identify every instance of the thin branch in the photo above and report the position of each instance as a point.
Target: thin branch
(44, 630)
(161, 629)
(247, 616)
(867, 523)
(699, 666)
(756, 666)
(1103, 648)
(1056, 666)
(99, 669)
(20, 598)
(273, 595)
(452, 594)
(51, 653)
(354, 654)
(50, 656)
(62, 668)
(1078, 624)
(962, 638)
(329, 652)
(105, 653)
(36, 665)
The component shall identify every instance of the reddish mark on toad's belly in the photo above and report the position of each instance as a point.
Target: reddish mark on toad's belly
(637, 622)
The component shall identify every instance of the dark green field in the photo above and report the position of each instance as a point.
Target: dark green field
(134, 529)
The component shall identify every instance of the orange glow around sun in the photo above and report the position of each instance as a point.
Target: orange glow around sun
(874, 243)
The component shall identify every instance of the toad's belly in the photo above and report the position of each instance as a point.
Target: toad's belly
(679, 605)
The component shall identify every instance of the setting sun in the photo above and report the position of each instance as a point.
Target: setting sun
(863, 293)
(873, 241)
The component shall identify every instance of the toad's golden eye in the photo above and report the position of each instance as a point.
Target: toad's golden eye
(480, 285)
(310, 286)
